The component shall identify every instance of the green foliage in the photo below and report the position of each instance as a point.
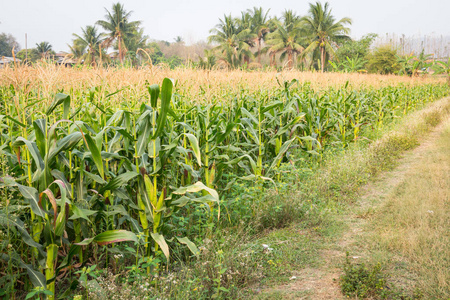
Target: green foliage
(286, 38)
(442, 67)
(44, 49)
(158, 58)
(355, 49)
(368, 281)
(383, 60)
(323, 30)
(362, 281)
(119, 29)
(87, 47)
(7, 43)
(142, 184)
(30, 55)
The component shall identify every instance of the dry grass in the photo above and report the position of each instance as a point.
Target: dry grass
(415, 221)
(200, 83)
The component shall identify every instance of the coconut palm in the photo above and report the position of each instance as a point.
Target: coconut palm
(243, 24)
(90, 40)
(77, 51)
(287, 37)
(324, 30)
(232, 39)
(44, 49)
(119, 27)
(259, 26)
(136, 44)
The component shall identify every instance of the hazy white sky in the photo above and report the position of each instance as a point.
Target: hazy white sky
(55, 20)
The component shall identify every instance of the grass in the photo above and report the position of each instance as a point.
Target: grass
(334, 190)
(413, 226)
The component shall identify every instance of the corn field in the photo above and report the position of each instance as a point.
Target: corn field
(91, 177)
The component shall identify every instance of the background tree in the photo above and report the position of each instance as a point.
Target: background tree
(286, 39)
(179, 40)
(44, 49)
(443, 67)
(119, 27)
(244, 24)
(355, 48)
(89, 42)
(28, 55)
(383, 60)
(208, 61)
(232, 39)
(135, 44)
(259, 26)
(77, 50)
(324, 30)
(7, 44)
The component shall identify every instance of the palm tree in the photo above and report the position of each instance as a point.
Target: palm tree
(324, 30)
(90, 41)
(77, 50)
(136, 43)
(244, 24)
(232, 41)
(118, 27)
(43, 49)
(286, 39)
(259, 26)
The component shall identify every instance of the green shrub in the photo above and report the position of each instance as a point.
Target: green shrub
(383, 60)
(360, 280)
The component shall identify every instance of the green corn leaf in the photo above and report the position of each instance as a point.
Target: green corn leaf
(66, 143)
(60, 98)
(15, 121)
(195, 147)
(96, 156)
(190, 245)
(36, 278)
(118, 181)
(94, 177)
(197, 187)
(166, 96)
(153, 90)
(117, 116)
(20, 226)
(39, 132)
(109, 237)
(78, 212)
(34, 151)
(60, 176)
(145, 129)
(283, 149)
(158, 238)
(154, 146)
(32, 196)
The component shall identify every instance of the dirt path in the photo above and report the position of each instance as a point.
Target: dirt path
(322, 282)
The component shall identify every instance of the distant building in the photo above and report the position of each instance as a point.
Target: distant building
(63, 58)
(5, 60)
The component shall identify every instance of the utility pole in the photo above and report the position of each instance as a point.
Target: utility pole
(26, 49)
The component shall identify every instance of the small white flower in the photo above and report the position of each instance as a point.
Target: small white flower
(265, 246)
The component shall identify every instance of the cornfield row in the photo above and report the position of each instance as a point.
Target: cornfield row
(82, 174)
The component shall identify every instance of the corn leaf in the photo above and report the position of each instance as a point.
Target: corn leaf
(158, 238)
